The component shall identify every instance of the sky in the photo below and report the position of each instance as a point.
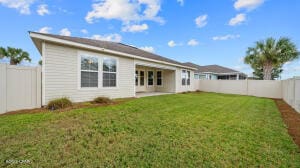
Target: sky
(204, 32)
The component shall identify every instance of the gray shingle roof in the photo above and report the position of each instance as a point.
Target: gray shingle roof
(211, 68)
(115, 47)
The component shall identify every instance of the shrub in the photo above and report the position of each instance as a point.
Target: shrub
(102, 100)
(59, 103)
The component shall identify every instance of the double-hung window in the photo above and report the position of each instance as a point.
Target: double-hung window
(150, 78)
(158, 78)
(142, 78)
(109, 72)
(188, 80)
(136, 78)
(89, 72)
(183, 77)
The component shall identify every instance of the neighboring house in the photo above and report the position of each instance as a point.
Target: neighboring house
(216, 72)
(82, 69)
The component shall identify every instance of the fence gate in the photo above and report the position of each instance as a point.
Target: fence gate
(20, 87)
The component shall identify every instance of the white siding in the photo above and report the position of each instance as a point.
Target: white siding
(62, 75)
(171, 77)
(184, 88)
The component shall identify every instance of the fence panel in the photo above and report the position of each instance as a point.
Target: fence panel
(265, 88)
(288, 90)
(271, 89)
(20, 87)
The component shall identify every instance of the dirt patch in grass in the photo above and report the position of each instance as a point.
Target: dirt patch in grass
(74, 106)
(291, 119)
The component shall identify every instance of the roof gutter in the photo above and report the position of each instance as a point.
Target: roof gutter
(226, 73)
(66, 42)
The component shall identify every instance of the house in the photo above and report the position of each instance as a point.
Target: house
(216, 72)
(82, 69)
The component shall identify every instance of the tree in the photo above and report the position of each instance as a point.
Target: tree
(16, 55)
(276, 71)
(270, 55)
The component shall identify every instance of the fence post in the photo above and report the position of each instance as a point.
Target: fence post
(294, 92)
(38, 87)
(3, 93)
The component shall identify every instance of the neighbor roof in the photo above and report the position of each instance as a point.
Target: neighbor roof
(211, 68)
(114, 46)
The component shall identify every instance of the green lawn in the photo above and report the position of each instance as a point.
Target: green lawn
(182, 130)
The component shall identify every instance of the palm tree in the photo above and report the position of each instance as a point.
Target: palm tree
(271, 54)
(16, 55)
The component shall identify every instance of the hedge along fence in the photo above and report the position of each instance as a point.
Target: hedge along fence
(20, 87)
(288, 90)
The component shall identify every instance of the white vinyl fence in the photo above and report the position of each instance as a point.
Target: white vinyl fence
(20, 87)
(291, 92)
(288, 90)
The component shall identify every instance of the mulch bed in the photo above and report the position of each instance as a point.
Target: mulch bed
(291, 119)
(74, 106)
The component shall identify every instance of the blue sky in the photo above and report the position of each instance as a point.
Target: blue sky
(203, 31)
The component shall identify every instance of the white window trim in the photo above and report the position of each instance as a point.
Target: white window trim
(139, 77)
(162, 79)
(117, 72)
(80, 55)
(186, 78)
(152, 78)
(100, 70)
(181, 77)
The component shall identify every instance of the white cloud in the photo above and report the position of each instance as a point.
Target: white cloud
(65, 32)
(45, 29)
(125, 10)
(172, 43)
(181, 2)
(108, 37)
(226, 37)
(84, 31)
(237, 20)
(247, 4)
(148, 48)
(241, 59)
(135, 28)
(23, 6)
(193, 42)
(42, 10)
(201, 21)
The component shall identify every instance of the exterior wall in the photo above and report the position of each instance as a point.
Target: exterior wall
(271, 89)
(62, 75)
(171, 77)
(20, 87)
(185, 88)
(168, 82)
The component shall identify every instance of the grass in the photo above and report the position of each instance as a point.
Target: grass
(182, 130)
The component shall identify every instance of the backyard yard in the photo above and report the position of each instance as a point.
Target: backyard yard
(180, 130)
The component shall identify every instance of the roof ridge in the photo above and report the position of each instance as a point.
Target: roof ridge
(115, 46)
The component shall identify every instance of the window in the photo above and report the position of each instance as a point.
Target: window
(188, 81)
(142, 78)
(196, 76)
(136, 78)
(159, 78)
(150, 78)
(109, 72)
(183, 77)
(89, 72)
